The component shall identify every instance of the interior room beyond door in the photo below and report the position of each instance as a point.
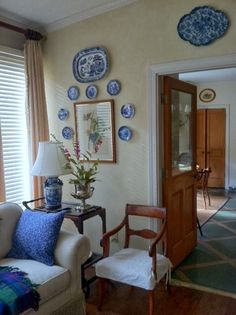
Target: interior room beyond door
(211, 126)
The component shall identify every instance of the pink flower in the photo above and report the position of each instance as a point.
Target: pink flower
(77, 150)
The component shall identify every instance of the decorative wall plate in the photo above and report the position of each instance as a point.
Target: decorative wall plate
(90, 64)
(207, 95)
(73, 93)
(63, 114)
(125, 133)
(113, 87)
(203, 25)
(91, 91)
(67, 133)
(127, 111)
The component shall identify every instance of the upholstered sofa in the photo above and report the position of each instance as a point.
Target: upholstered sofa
(60, 284)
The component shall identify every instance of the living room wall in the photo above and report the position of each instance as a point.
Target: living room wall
(136, 36)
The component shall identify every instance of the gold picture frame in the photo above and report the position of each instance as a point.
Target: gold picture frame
(207, 95)
(95, 130)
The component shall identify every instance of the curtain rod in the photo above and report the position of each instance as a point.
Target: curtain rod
(29, 34)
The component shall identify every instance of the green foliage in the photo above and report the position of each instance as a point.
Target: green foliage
(84, 173)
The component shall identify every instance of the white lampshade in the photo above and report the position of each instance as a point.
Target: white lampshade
(50, 160)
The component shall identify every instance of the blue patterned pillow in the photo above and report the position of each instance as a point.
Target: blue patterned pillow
(36, 236)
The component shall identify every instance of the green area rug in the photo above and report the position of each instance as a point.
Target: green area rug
(212, 265)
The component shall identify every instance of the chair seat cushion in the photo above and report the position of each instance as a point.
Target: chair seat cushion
(133, 267)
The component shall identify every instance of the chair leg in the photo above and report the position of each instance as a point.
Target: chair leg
(150, 301)
(204, 198)
(101, 292)
(208, 196)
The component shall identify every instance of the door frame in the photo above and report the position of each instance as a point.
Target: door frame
(227, 135)
(154, 71)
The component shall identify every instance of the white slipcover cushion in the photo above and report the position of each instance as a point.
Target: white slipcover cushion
(133, 267)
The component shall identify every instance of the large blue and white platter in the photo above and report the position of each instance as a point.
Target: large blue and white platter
(203, 25)
(90, 64)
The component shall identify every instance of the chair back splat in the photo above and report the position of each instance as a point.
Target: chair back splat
(143, 211)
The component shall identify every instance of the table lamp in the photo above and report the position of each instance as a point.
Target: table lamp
(50, 162)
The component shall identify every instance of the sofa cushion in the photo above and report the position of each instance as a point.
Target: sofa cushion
(36, 236)
(52, 279)
(10, 214)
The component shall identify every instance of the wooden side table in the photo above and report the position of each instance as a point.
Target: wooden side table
(78, 218)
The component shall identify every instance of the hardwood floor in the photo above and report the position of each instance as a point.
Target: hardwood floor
(124, 300)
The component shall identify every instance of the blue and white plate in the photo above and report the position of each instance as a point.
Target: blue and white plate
(113, 87)
(67, 133)
(90, 64)
(125, 133)
(73, 93)
(63, 114)
(203, 25)
(91, 91)
(127, 111)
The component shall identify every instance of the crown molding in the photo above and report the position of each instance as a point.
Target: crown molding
(77, 17)
(17, 20)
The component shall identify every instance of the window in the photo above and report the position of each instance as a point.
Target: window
(13, 126)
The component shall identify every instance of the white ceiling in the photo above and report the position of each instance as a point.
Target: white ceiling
(54, 14)
(228, 74)
(50, 15)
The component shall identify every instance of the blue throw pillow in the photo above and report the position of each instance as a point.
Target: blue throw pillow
(36, 236)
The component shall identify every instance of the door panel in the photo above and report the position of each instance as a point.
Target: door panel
(211, 125)
(179, 168)
(201, 138)
(216, 146)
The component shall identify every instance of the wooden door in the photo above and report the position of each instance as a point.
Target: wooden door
(215, 157)
(201, 138)
(211, 125)
(179, 191)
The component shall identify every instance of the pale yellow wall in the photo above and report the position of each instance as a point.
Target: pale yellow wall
(136, 37)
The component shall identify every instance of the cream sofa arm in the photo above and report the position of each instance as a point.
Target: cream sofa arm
(72, 250)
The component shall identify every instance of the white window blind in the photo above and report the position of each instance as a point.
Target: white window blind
(13, 126)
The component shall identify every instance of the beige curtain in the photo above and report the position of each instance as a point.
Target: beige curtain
(2, 182)
(37, 109)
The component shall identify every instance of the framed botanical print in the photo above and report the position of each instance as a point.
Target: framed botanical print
(94, 125)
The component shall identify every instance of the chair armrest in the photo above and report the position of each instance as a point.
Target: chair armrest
(105, 241)
(72, 250)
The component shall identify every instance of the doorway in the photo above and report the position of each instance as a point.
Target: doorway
(155, 118)
(154, 129)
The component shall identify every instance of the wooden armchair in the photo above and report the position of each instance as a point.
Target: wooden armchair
(141, 268)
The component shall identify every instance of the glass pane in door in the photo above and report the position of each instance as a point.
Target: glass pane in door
(181, 125)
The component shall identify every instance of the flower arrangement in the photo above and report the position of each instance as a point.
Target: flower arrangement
(83, 174)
